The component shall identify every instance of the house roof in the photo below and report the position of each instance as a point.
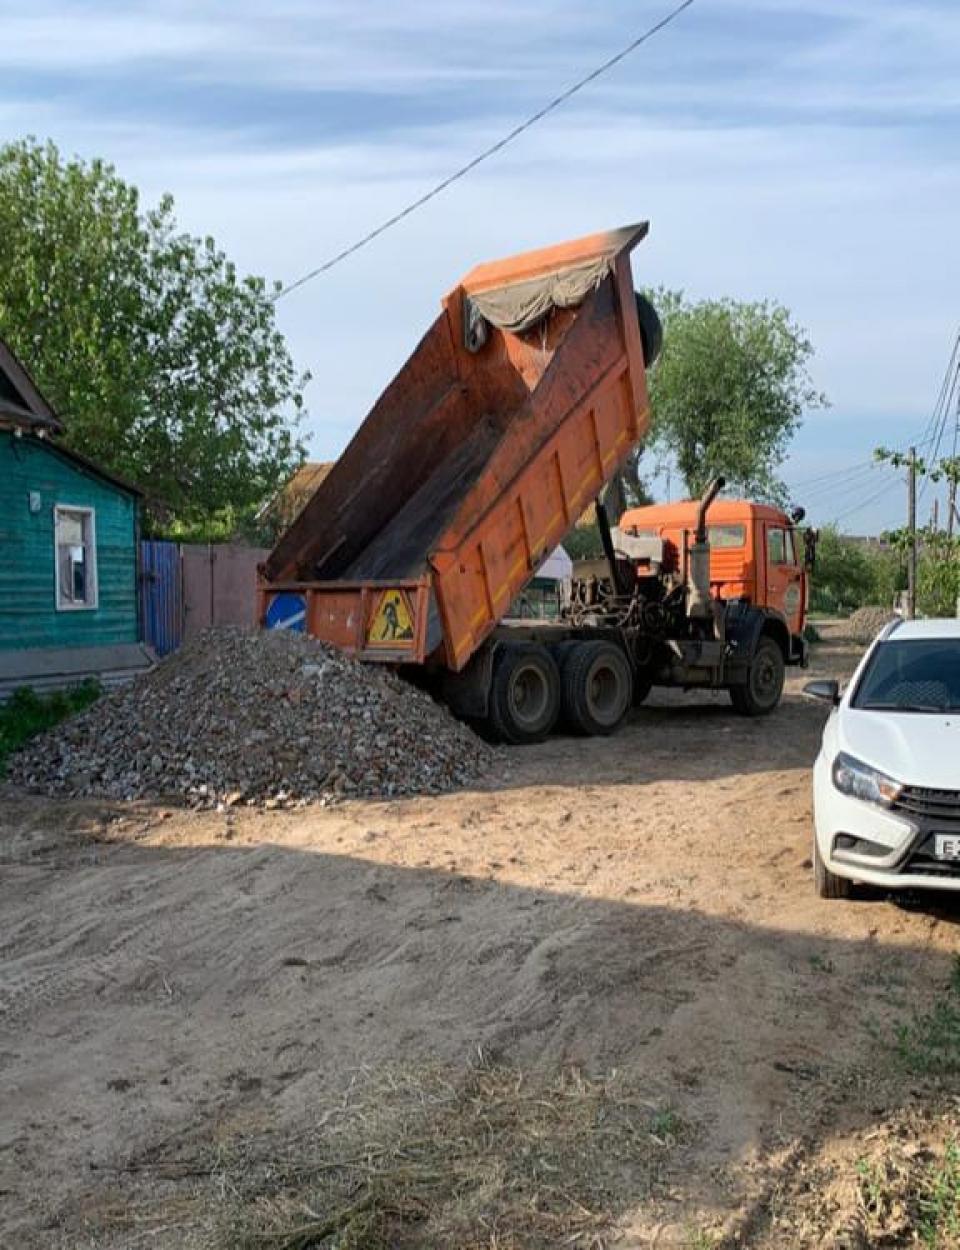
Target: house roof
(289, 501)
(90, 466)
(21, 404)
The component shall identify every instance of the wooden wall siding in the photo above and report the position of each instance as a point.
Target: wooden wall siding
(28, 605)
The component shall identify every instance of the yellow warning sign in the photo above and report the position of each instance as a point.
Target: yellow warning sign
(392, 622)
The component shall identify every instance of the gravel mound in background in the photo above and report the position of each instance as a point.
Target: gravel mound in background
(269, 718)
(866, 623)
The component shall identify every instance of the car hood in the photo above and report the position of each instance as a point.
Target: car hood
(917, 748)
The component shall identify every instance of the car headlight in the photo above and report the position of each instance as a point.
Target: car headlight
(860, 781)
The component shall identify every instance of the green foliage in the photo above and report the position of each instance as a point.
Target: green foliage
(930, 1042)
(939, 1202)
(938, 574)
(938, 568)
(848, 575)
(25, 714)
(729, 390)
(583, 542)
(164, 363)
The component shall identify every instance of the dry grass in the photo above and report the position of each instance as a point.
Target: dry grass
(494, 1158)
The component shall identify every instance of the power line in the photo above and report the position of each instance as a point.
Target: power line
(812, 484)
(851, 475)
(863, 503)
(487, 153)
(943, 407)
(931, 424)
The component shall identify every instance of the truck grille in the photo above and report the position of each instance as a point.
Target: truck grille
(937, 807)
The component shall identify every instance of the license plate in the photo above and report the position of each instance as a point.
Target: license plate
(946, 845)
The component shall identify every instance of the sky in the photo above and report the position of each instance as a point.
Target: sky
(804, 151)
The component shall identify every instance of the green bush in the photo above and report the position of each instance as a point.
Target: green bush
(848, 575)
(26, 714)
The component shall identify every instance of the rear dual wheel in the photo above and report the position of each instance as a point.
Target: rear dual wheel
(597, 687)
(524, 694)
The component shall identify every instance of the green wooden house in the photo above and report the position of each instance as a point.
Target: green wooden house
(69, 535)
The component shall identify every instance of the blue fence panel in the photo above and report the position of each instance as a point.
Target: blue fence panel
(161, 595)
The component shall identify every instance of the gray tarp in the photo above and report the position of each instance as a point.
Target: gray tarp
(520, 305)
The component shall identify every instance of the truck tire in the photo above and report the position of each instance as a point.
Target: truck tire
(597, 687)
(642, 685)
(524, 694)
(761, 692)
(827, 883)
(651, 330)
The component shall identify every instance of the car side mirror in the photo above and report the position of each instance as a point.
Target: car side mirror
(825, 691)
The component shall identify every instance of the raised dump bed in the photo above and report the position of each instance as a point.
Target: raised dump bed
(521, 401)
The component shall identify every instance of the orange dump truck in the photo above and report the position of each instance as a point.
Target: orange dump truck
(516, 409)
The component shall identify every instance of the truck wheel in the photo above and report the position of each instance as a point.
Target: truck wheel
(524, 694)
(764, 685)
(642, 685)
(651, 331)
(827, 883)
(597, 687)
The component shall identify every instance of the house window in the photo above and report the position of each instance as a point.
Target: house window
(76, 558)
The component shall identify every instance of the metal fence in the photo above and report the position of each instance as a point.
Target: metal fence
(185, 588)
(161, 595)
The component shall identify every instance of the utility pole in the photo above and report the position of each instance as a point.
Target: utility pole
(912, 532)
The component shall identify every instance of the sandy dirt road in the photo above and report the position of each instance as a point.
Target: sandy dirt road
(641, 903)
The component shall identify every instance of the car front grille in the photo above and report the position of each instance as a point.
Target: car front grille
(923, 860)
(932, 807)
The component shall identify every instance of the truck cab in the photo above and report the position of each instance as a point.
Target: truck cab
(755, 555)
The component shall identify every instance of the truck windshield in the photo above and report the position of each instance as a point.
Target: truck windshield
(911, 675)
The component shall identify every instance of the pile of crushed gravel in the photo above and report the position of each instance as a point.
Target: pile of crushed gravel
(255, 718)
(866, 623)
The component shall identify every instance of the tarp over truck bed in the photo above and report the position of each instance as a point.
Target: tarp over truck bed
(519, 403)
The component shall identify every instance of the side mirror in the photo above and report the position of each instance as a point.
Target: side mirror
(825, 691)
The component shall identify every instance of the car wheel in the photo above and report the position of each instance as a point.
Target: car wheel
(761, 692)
(827, 883)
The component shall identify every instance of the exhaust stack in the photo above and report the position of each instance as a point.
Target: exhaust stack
(699, 605)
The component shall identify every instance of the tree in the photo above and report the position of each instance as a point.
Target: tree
(728, 391)
(165, 364)
(938, 568)
(848, 575)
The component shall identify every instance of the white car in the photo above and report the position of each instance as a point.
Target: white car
(886, 784)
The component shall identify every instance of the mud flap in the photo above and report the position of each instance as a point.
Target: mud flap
(467, 693)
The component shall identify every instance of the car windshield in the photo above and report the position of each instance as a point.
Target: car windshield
(911, 675)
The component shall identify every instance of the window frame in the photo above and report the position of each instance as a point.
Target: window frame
(772, 532)
(90, 515)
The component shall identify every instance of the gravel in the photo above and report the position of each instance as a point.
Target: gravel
(866, 623)
(273, 719)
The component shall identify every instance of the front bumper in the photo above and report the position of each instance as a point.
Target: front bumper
(878, 847)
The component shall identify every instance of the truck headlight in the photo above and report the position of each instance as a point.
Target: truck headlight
(860, 781)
